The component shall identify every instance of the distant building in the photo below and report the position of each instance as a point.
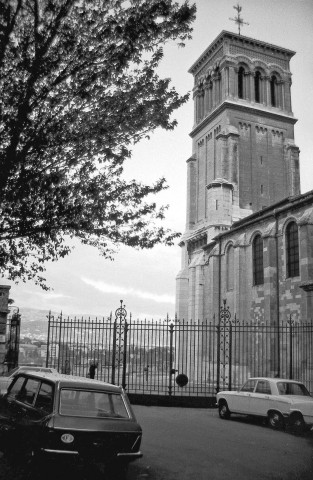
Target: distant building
(249, 231)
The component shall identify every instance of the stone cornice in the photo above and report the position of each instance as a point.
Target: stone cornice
(220, 182)
(280, 116)
(225, 36)
(191, 159)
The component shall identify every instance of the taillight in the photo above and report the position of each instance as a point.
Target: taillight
(136, 444)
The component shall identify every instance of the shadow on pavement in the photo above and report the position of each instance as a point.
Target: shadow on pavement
(53, 470)
(307, 433)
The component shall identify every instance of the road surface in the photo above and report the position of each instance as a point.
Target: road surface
(195, 444)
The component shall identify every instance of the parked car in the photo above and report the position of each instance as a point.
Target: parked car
(7, 377)
(280, 400)
(67, 416)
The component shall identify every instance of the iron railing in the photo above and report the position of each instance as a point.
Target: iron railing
(146, 357)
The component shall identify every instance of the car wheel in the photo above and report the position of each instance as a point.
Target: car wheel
(297, 422)
(223, 411)
(275, 420)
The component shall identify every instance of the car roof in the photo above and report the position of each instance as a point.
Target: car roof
(36, 368)
(72, 381)
(275, 379)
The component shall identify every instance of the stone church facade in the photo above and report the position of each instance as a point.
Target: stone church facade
(249, 231)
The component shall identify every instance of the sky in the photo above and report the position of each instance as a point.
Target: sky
(84, 282)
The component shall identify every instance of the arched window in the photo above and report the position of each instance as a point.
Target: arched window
(257, 87)
(230, 268)
(241, 73)
(273, 91)
(292, 253)
(257, 258)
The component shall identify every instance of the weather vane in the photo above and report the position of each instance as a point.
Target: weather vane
(238, 19)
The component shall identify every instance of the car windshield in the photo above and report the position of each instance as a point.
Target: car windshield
(289, 388)
(85, 403)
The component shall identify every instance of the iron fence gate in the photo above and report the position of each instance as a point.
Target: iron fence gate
(156, 357)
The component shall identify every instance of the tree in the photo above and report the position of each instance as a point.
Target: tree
(79, 88)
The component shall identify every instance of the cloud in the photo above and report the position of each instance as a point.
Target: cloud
(42, 295)
(50, 295)
(106, 288)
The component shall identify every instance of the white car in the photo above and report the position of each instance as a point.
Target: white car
(278, 399)
(6, 379)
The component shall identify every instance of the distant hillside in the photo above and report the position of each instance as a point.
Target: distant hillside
(34, 322)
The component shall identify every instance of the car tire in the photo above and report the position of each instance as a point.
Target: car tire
(223, 410)
(297, 422)
(276, 420)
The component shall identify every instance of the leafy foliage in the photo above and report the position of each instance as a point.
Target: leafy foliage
(78, 88)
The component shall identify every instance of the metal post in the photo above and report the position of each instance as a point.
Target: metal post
(230, 357)
(290, 348)
(114, 352)
(124, 356)
(224, 321)
(60, 317)
(170, 380)
(120, 323)
(218, 355)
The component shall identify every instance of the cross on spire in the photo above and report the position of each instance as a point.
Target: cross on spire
(238, 19)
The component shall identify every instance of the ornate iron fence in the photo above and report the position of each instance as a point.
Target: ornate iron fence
(152, 357)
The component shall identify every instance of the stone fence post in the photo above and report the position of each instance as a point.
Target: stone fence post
(4, 310)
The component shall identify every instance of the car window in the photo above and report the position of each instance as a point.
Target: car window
(248, 386)
(44, 400)
(290, 388)
(29, 391)
(16, 386)
(84, 403)
(263, 386)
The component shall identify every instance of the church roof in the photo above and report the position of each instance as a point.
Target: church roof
(226, 36)
(285, 204)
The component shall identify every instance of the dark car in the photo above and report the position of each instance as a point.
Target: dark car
(68, 416)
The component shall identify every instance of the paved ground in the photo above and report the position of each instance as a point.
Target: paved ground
(187, 444)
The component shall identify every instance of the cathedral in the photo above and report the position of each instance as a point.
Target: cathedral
(249, 232)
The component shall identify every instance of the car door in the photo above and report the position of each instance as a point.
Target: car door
(261, 398)
(23, 413)
(10, 412)
(241, 400)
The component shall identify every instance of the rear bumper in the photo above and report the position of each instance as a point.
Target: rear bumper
(129, 456)
(59, 452)
(126, 456)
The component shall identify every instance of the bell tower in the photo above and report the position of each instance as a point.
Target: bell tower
(243, 153)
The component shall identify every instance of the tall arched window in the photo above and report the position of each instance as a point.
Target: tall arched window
(241, 73)
(257, 258)
(273, 91)
(257, 87)
(230, 268)
(292, 253)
